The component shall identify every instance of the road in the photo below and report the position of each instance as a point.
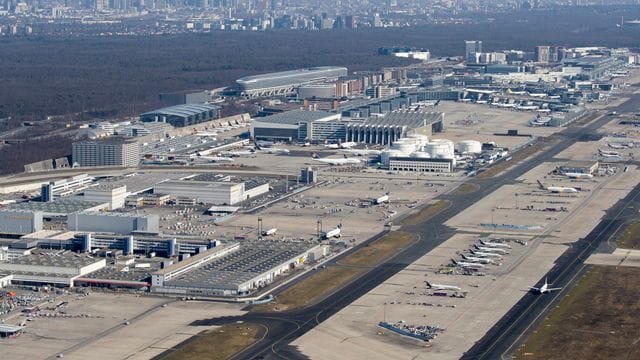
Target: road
(284, 327)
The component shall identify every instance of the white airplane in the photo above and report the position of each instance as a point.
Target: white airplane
(474, 259)
(342, 161)
(492, 250)
(332, 233)
(608, 153)
(544, 288)
(381, 200)
(527, 107)
(263, 143)
(207, 134)
(494, 244)
(486, 254)
(216, 159)
(269, 232)
(239, 153)
(467, 265)
(539, 121)
(442, 287)
(273, 151)
(620, 146)
(538, 95)
(572, 175)
(557, 189)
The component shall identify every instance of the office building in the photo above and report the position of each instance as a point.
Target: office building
(109, 152)
(543, 54)
(117, 223)
(472, 47)
(113, 195)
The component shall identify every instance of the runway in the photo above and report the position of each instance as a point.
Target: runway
(284, 327)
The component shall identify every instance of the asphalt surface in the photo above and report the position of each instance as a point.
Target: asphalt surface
(284, 327)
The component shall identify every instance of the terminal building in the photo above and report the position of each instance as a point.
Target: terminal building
(108, 152)
(286, 82)
(182, 115)
(321, 126)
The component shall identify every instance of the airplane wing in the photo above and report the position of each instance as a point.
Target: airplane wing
(534, 288)
(552, 289)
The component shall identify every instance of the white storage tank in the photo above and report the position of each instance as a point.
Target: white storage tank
(385, 155)
(421, 140)
(440, 149)
(420, 154)
(405, 146)
(469, 147)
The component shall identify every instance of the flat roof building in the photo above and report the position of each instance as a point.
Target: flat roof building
(285, 82)
(20, 222)
(118, 223)
(182, 115)
(108, 152)
(57, 268)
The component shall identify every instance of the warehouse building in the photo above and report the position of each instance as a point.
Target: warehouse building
(185, 97)
(108, 152)
(248, 268)
(211, 192)
(56, 268)
(20, 222)
(182, 115)
(61, 207)
(285, 82)
(113, 195)
(118, 223)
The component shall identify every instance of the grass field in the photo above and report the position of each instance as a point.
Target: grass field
(425, 213)
(218, 344)
(598, 319)
(311, 289)
(379, 250)
(465, 188)
(630, 238)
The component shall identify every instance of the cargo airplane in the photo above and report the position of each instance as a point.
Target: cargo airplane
(557, 189)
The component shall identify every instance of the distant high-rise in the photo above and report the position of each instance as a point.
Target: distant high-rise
(471, 48)
(542, 54)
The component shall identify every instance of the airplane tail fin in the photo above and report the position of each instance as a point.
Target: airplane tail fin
(315, 156)
(429, 284)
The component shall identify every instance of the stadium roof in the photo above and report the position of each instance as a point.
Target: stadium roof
(183, 110)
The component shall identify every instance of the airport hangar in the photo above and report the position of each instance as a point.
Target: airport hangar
(321, 126)
(285, 82)
(182, 115)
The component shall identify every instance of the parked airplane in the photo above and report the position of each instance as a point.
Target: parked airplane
(494, 244)
(263, 143)
(442, 287)
(620, 145)
(557, 189)
(381, 200)
(572, 175)
(474, 259)
(342, 161)
(238, 153)
(273, 150)
(216, 159)
(492, 250)
(608, 153)
(332, 233)
(362, 152)
(486, 254)
(538, 121)
(344, 145)
(468, 265)
(269, 232)
(544, 288)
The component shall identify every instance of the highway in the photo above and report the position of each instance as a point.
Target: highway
(284, 327)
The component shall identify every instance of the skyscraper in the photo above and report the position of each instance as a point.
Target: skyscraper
(471, 48)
